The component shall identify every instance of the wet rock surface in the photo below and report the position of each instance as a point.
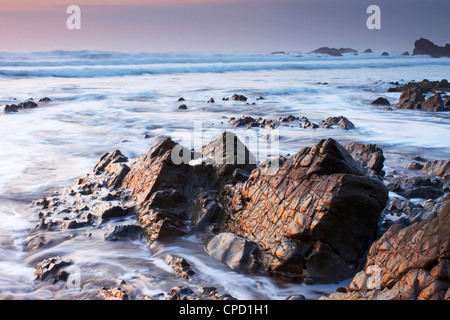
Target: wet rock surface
(310, 219)
(300, 212)
(303, 122)
(406, 263)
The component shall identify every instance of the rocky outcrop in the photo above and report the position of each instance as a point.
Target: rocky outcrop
(240, 254)
(406, 263)
(369, 156)
(239, 97)
(303, 122)
(180, 266)
(415, 99)
(334, 52)
(341, 121)
(424, 86)
(439, 168)
(417, 187)
(316, 210)
(29, 104)
(310, 219)
(381, 101)
(426, 47)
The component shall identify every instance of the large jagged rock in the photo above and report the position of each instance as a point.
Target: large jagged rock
(426, 47)
(406, 263)
(173, 196)
(317, 207)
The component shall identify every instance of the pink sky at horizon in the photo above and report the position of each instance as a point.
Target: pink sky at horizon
(220, 25)
(31, 5)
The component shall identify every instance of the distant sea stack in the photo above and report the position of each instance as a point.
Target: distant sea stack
(426, 47)
(334, 52)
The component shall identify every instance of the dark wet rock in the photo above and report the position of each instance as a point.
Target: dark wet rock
(381, 101)
(182, 293)
(303, 122)
(10, 109)
(181, 99)
(424, 86)
(182, 107)
(45, 99)
(180, 266)
(122, 232)
(385, 54)
(52, 269)
(411, 99)
(434, 103)
(29, 104)
(340, 121)
(368, 51)
(237, 97)
(406, 263)
(369, 156)
(296, 297)
(311, 204)
(238, 253)
(333, 51)
(206, 293)
(426, 47)
(211, 100)
(440, 168)
(417, 187)
(278, 52)
(414, 166)
(250, 122)
(225, 99)
(406, 53)
(108, 293)
(260, 98)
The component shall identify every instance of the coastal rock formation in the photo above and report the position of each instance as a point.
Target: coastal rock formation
(385, 54)
(334, 52)
(424, 86)
(417, 187)
(369, 156)
(439, 168)
(239, 253)
(313, 217)
(406, 263)
(426, 47)
(341, 121)
(381, 101)
(303, 122)
(414, 98)
(23, 105)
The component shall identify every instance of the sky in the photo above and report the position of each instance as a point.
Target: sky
(220, 25)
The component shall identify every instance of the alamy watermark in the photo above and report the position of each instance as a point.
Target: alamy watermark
(374, 21)
(74, 20)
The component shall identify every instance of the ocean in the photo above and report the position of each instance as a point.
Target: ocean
(103, 101)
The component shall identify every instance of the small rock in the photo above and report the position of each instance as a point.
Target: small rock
(182, 107)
